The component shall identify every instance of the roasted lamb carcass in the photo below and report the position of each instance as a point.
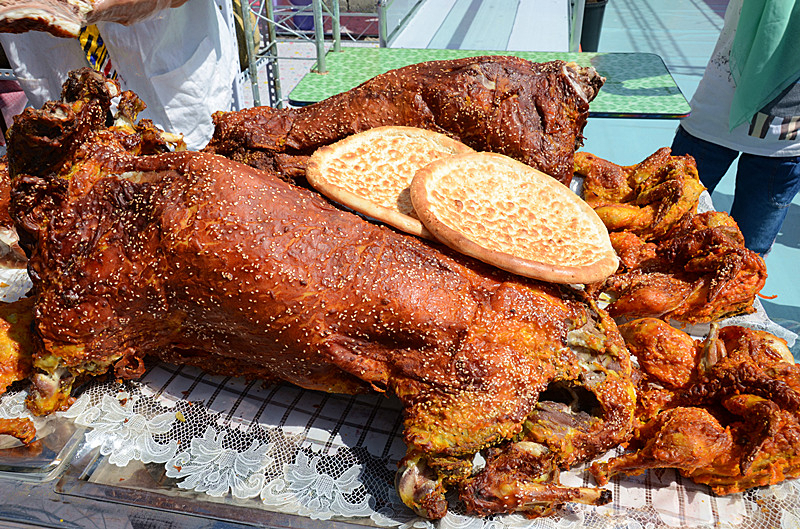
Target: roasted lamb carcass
(724, 410)
(202, 260)
(533, 112)
(674, 263)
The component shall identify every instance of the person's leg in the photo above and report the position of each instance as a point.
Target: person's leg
(712, 160)
(765, 188)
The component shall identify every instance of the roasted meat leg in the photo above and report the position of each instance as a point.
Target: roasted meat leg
(688, 439)
(533, 112)
(202, 260)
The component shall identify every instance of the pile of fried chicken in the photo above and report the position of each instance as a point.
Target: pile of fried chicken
(224, 260)
(676, 264)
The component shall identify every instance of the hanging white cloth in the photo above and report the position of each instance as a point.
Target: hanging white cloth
(181, 62)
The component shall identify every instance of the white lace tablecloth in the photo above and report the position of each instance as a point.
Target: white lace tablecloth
(326, 456)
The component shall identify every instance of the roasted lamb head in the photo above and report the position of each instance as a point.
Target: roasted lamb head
(533, 112)
(201, 260)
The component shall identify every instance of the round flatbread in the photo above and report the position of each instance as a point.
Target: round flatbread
(370, 172)
(510, 215)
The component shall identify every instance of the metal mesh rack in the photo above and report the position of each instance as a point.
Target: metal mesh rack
(268, 20)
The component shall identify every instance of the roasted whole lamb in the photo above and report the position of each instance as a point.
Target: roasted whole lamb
(533, 112)
(201, 260)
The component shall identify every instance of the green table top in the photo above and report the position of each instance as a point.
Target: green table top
(638, 85)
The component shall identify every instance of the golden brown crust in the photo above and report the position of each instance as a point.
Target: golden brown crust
(21, 428)
(370, 172)
(200, 259)
(723, 410)
(502, 212)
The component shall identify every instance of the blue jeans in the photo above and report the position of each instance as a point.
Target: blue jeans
(765, 186)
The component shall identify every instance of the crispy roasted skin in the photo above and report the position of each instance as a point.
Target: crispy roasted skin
(674, 263)
(22, 428)
(727, 417)
(205, 261)
(16, 360)
(533, 112)
(11, 255)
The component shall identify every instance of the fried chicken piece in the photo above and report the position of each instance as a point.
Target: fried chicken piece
(731, 423)
(647, 199)
(667, 357)
(16, 359)
(16, 344)
(23, 429)
(633, 252)
(687, 439)
(699, 272)
(533, 112)
(675, 264)
(657, 294)
(202, 260)
(509, 483)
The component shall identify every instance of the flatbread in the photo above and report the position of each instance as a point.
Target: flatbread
(370, 172)
(510, 215)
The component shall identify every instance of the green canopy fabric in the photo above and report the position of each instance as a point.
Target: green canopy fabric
(765, 56)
